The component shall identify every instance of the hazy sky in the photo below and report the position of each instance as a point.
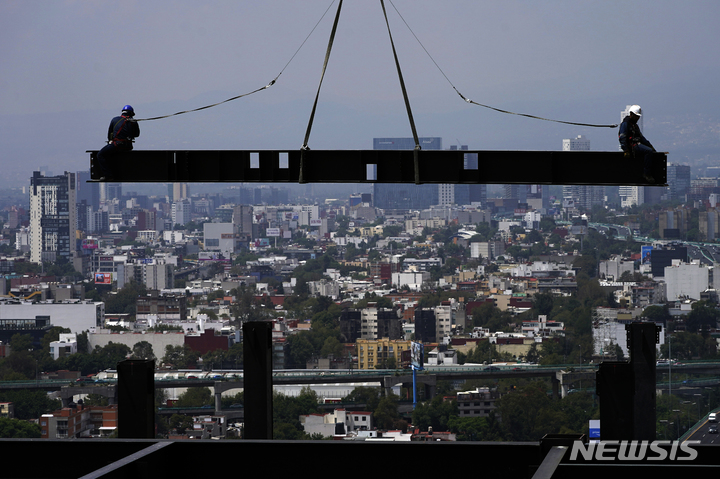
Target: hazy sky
(68, 66)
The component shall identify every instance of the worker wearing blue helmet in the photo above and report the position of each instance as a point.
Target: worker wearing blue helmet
(121, 133)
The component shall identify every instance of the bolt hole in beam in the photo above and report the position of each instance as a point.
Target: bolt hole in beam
(284, 160)
(254, 159)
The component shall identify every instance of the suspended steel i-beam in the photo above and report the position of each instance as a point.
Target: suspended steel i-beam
(383, 166)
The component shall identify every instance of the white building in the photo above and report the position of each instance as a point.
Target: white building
(580, 143)
(154, 274)
(339, 422)
(158, 341)
(324, 287)
(76, 315)
(412, 279)
(442, 358)
(443, 321)
(219, 237)
(487, 249)
(631, 195)
(686, 280)
(181, 212)
(53, 217)
(615, 267)
(64, 346)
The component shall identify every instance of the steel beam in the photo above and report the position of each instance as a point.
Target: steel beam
(384, 166)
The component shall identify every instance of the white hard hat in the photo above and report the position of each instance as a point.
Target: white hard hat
(636, 110)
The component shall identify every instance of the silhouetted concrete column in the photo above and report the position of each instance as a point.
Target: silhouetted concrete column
(257, 358)
(136, 399)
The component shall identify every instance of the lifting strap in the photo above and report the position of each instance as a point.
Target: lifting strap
(405, 97)
(305, 147)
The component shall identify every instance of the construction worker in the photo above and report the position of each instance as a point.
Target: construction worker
(121, 133)
(633, 143)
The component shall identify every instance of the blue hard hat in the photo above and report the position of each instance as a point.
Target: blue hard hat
(128, 109)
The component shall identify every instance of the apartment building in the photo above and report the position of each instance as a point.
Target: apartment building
(477, 403)
(374, 354)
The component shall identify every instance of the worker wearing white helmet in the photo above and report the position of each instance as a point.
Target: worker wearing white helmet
(634, 144)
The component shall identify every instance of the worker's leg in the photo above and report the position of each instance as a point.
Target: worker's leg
(644, 153)
(104, 157)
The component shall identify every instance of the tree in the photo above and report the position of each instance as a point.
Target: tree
(180, 356)
(702, 316)
(386, 413)
(180, 423)
(520, 411)
(93, 399)
(195, 397)
(368, 396)
(30, 404)
(300, 350)
(109, 355)
(18, 429)
(543, 303)
(123, 302)
(287, 411)
(436, 413)
(475, 428)
(143, 350)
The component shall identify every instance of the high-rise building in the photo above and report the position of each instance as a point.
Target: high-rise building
(576, 144)
(110, 191)
(583, 196)
(53, 217)
(678, 178)
(181, 212)
(242, 218)
(88, 191)
(673, 224)
(709, 224)
(400, 196)
(178, 191)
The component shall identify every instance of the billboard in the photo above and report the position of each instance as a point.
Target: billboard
(645, 254)
(272, 232)
(315, 222)
(88, 243)
(103, 278)
(417, 355)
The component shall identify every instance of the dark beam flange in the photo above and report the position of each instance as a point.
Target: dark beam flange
(384, 166)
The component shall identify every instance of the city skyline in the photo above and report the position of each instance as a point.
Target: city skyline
(195, 54)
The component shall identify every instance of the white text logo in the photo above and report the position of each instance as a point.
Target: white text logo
(633, 451)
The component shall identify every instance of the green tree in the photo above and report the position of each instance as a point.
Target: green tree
(18, 429)
(386, 414)
(368, 396)
(521, 410)
(543, 303)
(178, 357)
(702, 316)
(195, 397)
(109, 355)
(143, 350)
(436, 413)
(476, 428)
(123, 302)
(287, 411)
(30, 404)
